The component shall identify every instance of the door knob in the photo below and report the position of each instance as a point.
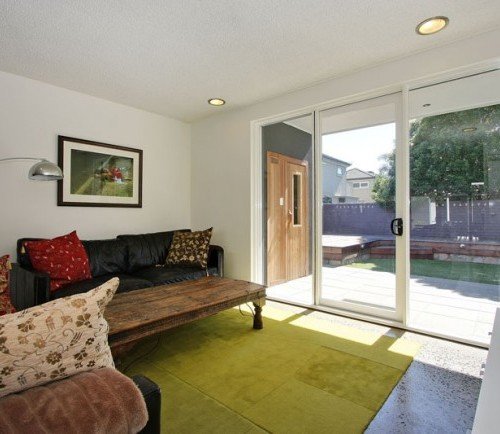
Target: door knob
(397, 226)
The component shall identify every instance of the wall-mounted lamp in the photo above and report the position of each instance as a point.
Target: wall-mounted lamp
(43, 170)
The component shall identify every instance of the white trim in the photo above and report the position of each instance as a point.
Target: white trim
(256, 230)
(318, 210)
(403, 264)
(453, 74)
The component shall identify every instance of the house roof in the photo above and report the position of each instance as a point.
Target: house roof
(356, 173)
(335, 160)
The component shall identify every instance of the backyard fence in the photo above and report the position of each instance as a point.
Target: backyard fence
(474, 220)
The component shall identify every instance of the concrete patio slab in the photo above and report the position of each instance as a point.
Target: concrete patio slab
(455, 308)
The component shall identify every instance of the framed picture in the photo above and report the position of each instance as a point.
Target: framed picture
(99, 174)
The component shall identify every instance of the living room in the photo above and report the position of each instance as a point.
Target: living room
(167, 134)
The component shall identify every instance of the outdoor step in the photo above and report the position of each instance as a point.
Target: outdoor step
(415, 252)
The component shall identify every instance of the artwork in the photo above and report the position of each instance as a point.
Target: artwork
(98, 174)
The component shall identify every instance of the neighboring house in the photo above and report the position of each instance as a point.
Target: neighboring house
(335, 187)
(360, 184)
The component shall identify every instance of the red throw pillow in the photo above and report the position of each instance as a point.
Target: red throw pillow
(64, 259)
(5, 303)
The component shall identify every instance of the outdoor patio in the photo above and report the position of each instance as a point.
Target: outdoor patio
(451, 307)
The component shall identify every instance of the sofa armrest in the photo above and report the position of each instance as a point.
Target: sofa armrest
(216, 259)
(28, 288)
(152, 395)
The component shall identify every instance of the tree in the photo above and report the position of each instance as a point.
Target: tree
(384, 187)
(445, 160)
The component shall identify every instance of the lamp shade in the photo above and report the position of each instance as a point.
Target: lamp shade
(45, 171)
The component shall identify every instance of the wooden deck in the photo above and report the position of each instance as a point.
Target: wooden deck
(338, 250)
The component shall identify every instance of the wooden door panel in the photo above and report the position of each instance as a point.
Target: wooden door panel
(276, 221)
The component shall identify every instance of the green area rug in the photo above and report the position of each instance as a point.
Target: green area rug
(298, 374)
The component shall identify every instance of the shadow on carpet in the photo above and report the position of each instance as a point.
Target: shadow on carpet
(297, 375)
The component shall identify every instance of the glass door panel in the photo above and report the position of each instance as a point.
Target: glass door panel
(455, 207)
(358, 180)
(287, 161)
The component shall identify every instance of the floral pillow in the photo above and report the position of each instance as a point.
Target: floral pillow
(190, 248)
(5, 303)
(4, 273)
(63, 258)
(55, 340)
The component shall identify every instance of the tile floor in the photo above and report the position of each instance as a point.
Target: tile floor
(439, 391)
(450, 307)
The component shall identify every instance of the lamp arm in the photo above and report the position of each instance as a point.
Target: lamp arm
(23, 158)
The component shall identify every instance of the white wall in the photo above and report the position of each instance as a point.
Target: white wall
(33, 114)
(221, 143)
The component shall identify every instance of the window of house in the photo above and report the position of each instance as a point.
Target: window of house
(360, 185)
(341, 199)
(340, 171)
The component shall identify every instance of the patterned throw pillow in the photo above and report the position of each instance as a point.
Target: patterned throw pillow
(5, 303)
(63, 258)
(190, 248)
(4, 273)
(55, 340)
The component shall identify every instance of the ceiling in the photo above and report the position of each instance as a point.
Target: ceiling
(170, 57)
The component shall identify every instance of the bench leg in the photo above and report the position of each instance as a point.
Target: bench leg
(257, 318)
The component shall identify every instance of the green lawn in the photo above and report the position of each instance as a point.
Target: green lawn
(467, 271)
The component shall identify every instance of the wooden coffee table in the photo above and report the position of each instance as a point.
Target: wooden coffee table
(134, 315)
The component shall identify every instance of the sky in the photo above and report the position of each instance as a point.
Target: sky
(361, 147)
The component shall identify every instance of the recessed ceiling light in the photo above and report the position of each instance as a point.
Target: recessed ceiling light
(432, 25)
(216, 101)
(469, 129)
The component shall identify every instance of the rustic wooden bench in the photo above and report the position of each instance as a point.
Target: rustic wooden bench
(134, 315)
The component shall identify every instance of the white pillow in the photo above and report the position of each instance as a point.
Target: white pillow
(55, 340)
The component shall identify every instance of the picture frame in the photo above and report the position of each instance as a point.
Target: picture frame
(99, 174)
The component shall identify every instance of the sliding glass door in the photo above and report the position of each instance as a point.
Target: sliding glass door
(455, 206)
(361, 222)
(394, 211)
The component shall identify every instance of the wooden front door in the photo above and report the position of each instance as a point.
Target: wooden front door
(287, 219)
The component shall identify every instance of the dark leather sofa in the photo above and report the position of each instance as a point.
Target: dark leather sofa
(137, 260)
(152, 396)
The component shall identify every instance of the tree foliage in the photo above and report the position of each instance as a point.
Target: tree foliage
(446, 161)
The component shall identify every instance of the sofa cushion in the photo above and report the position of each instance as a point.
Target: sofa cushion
(98, 401)
(63, 258)
(106, 256)
(190, 248)
(55, 340)
(127, 283)
(171, 274)
(145, 250)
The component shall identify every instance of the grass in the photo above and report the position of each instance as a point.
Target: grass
(466, 271)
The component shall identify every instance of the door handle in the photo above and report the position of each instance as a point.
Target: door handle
(397, 226)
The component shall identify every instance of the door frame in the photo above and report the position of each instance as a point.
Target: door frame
(256, 197)
(256, 205)
(402, 210)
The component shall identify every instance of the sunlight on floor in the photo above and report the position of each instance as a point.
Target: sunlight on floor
(445, 306)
